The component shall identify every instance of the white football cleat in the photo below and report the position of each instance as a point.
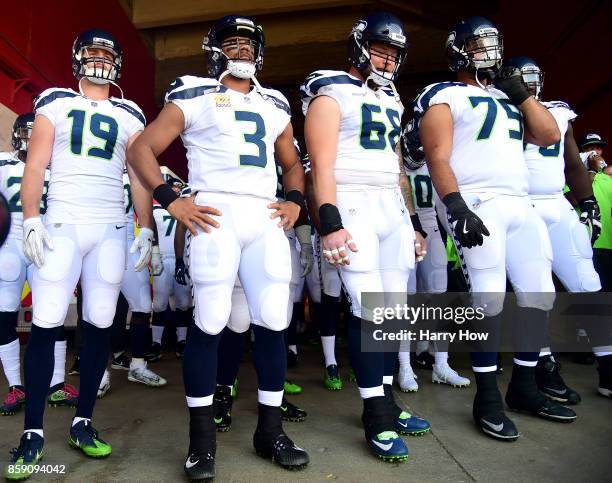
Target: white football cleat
(444, 374)
(146, 376)
(104, 384)
(407, 379)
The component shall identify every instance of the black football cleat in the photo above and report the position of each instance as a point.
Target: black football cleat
(488, 409)
(222, 402)
(551, 384)
(290, 412)
(281, 450)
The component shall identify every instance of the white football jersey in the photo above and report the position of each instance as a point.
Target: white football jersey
(369, 127)
(547, 165)
(166, 227)
(88, 157)
(129, 205)
(487, 154)
(11, 174)
(229, 136)
(423, 195)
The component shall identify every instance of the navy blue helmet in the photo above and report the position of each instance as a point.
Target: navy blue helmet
(475, 45)
(533, 76)
(86, 65)
(234, 26)
(22, 130)
(380, 27)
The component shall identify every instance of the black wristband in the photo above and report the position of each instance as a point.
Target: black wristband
(298, 198)
(330, 219)
(584, 201)
(416, 224)
(179, 261)
(164, 195)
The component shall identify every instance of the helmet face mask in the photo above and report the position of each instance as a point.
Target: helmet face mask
(22, 131)
(476, 46)
(89, 60)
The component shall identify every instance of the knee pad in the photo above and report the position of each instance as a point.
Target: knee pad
(99, 307)
(110, 269)
(8, 327)
(330, 278)
(49, 306)
(58, 263)
(541, 300)
(214, 257)
(11, 266)
(240, 317)
(182, 297)
(213, 305)
(588, 279)
(272, 315)
(367, 258)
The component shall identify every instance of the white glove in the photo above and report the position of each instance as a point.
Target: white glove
(302, 233)
(157, 267)
(35, 236)
(144, 243)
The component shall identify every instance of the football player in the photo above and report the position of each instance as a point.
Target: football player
(83, 136)
(233, 130)
(14, 269)
(472, 134)
(549, 169)
(351, 130)
(165, 284)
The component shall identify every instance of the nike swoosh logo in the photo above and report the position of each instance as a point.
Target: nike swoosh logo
(384, 447)
(494, 427)
(465, 232)
(190, 464)
(403, 425)
(218, 420)
(119, 227)
(556, 391)
(283, 409)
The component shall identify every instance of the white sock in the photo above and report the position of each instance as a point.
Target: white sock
(270, 398)
(39, 432)
(520, 362)
(441, 358)
(117, 354)
(78, 419)
(329, 349)
(602, 353)
(422, 346)
(293, 348)
(545, 351)
(181, 334)
(137, 363)
(59, 369)
(387, 379)
(158, 332)
(368, 392)
(9, 354)
(196, 402)
(404, 353)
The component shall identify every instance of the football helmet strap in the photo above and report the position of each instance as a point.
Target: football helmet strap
(22, 131)
(84, 65)
(533, 76)
(475, 45)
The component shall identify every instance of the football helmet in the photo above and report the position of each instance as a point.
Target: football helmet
(22, 131)
(377, 27)
(88, 66)
(533, 76)
(475, 45)
(234, 26)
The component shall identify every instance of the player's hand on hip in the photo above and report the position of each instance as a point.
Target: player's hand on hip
(144, 243)
(157, 266)
(336, 247)
(180, 271)
(35, 236)
(288, 212)
(468, 228)
(591, 217)
(420, 246)
(192, 215)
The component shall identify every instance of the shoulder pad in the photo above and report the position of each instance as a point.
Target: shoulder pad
(321, 78)
(50, 95)
(130, 107)
(424, 97)
(189, 86)
(276, 98)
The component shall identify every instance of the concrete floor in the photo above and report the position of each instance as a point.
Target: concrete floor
(148, 431)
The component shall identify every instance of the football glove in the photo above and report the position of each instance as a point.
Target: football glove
(144, 243)
(510, 81)
(467, 227)
(302, 233)
(591, 217)
(35, 236)
(180, 271)
(157, 266)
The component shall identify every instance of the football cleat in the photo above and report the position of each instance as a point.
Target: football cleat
(200, 466)
(407, 379)
(155, 353)
(145, 376)
(383, 441)
(222, 403)
(331, 378)
(63, 394)
(290, 412)
(84, 436)
(605, 376)
(488, 409)
(404, 422)
(388, 446)
(235, 389)
(25, 458)
(281, 450)
(179, 349)
(550, 382)
(121, 362)
(75, 370)
(13, 401)
(352, 377)
(445, 374)
(104, 385)
(292, 388)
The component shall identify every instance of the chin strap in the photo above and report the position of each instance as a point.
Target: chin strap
(109, 81)
(227, 72)
(478, 80)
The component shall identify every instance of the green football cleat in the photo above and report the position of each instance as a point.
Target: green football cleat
(25, 458)
(331, 378)
(292, 388)
(83, 436)
(352, 377)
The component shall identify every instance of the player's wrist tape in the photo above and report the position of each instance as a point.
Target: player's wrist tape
(298, 198)
(416, 224)
(164, 195)
(586, 201)
(330, 219)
